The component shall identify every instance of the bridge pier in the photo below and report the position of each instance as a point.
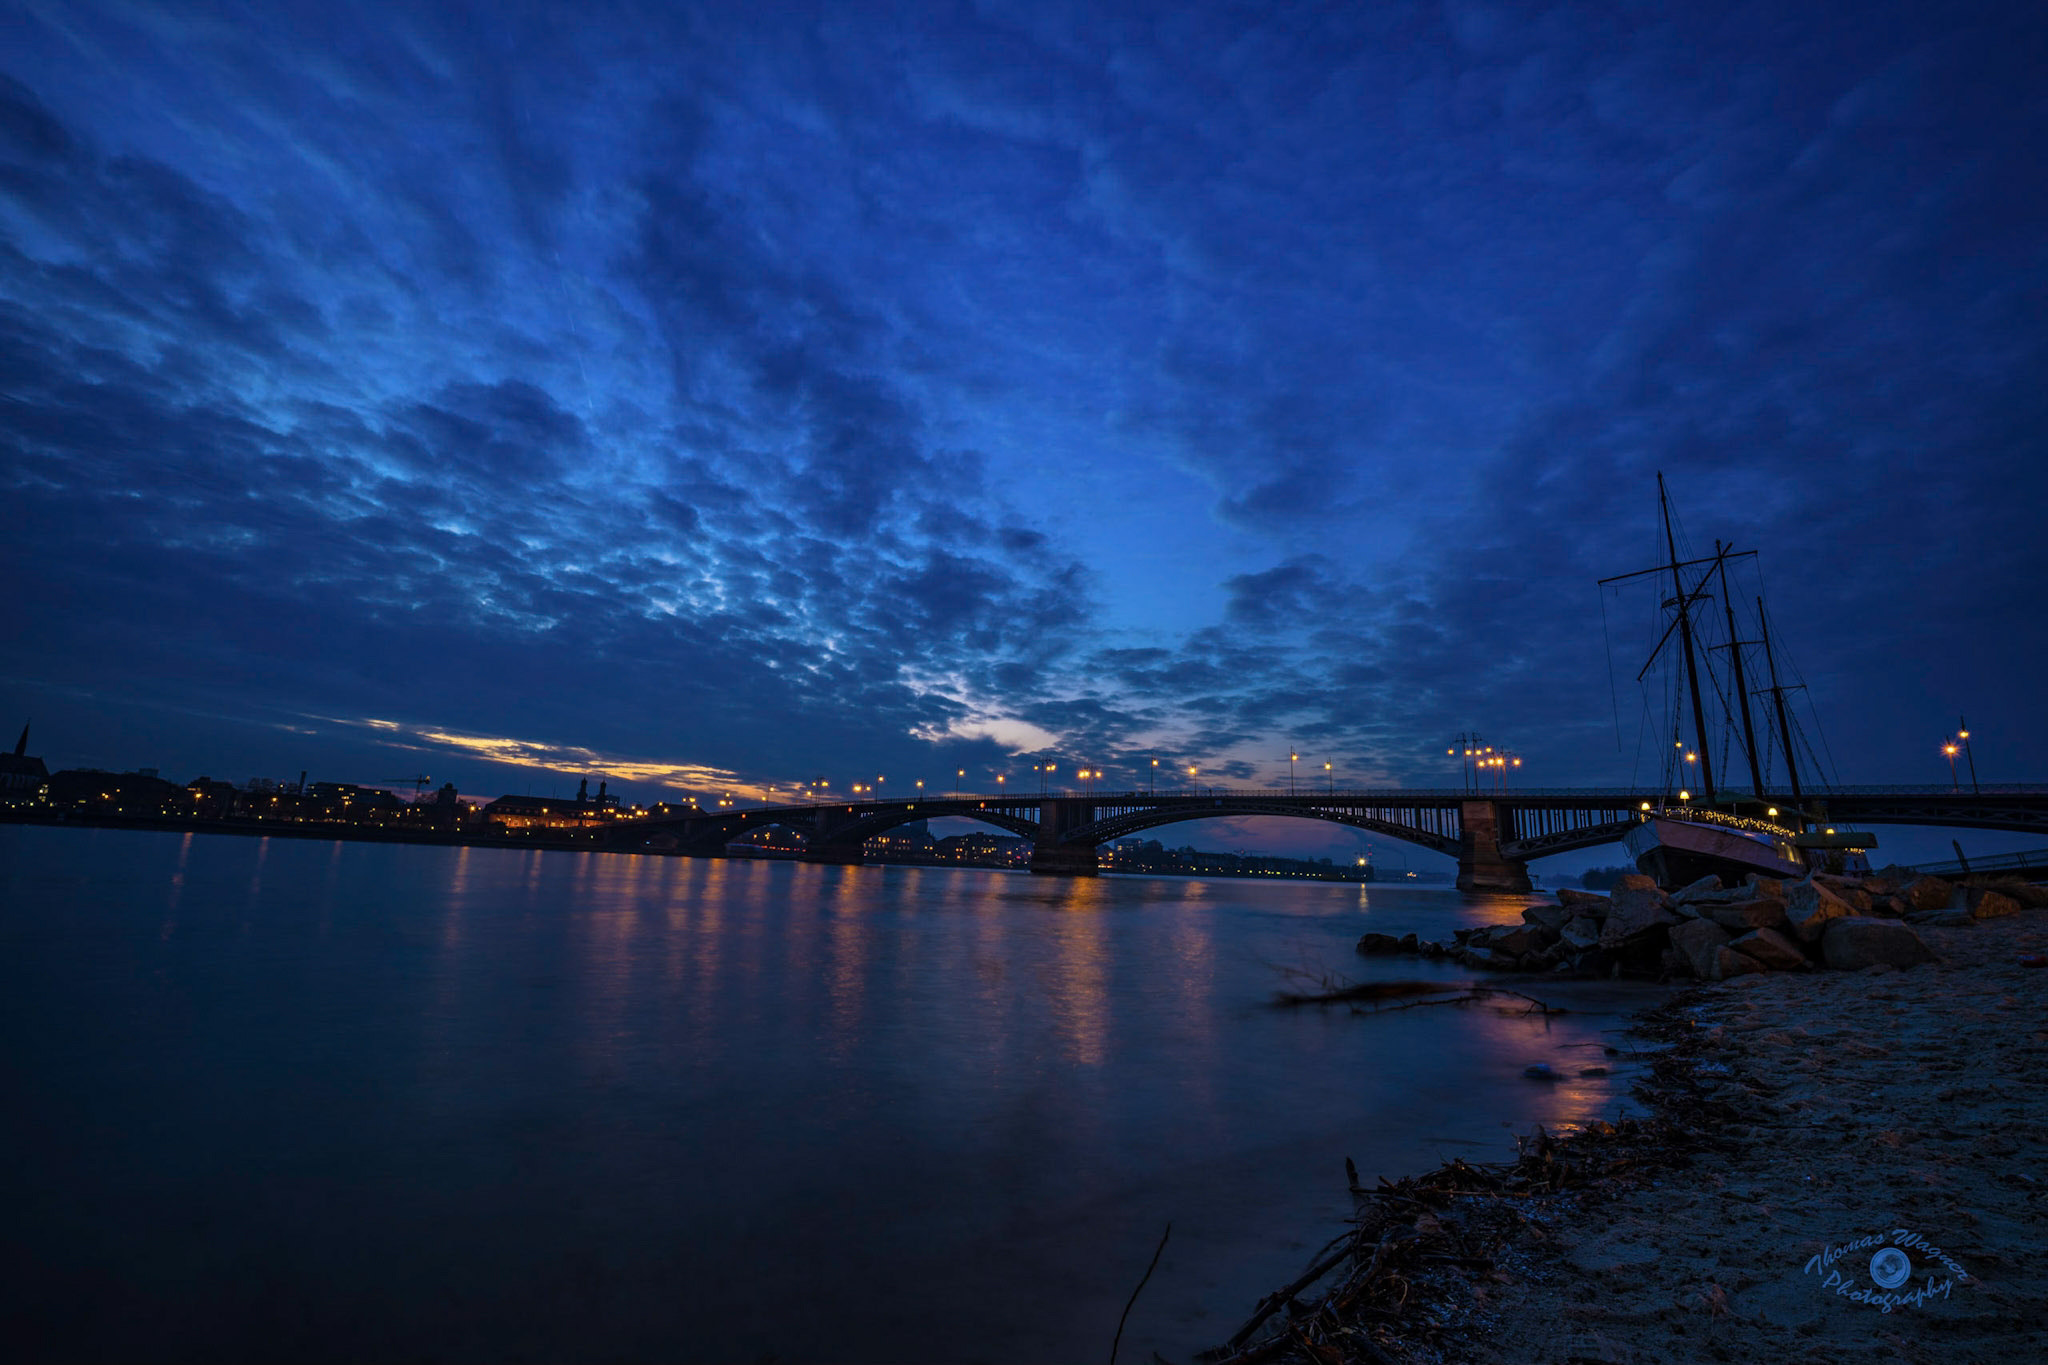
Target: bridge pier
(1051, 856)
(1481, 865)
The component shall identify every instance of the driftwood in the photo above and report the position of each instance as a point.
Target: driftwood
(1349, 993)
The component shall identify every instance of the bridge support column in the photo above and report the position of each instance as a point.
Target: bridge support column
(1054, 858)
(1480, 864)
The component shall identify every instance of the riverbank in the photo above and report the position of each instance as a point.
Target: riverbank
(1799, 1123)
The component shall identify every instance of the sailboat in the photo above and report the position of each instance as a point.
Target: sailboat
(1711, 831)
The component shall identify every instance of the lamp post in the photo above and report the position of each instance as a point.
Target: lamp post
(1291, 757)
(1152, 783)
(1963, 734)
(1954, 783)
(1330, 775)
(959, 774)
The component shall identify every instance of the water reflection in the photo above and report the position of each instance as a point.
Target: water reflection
(609, 1102)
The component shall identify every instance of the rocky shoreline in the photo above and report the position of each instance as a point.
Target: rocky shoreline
(1714, 932)
(1836, 1166)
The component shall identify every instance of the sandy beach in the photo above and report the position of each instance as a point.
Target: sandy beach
(1836, 1166)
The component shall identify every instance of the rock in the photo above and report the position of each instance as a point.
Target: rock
(1376, 945)
(1430, 948)
(1767, 886)
(1881, 884)
(2026, 893)
(1671, 962)
(1984, 903)
(1480, 957)
(1580, 934)
(1693, 891)
(1697, 941)
(1760, 913)
(1848, 888)
(1941, 919)
(1584, 903)
(1929, 893)
(1638, 916)
(1551, 917)
(1410, 944)
(1851, 944)
(1809, 906)
(1633, 881)
(1770, 949)
(1891, 907)
(1729, 963)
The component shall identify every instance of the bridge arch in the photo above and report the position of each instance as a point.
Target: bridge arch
(1126, 823)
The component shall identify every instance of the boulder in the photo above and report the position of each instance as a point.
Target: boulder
(1376, 945)
(1771, 949)
(1850, 944)
(1580, 934)
(1809, 906)
(1941, 919)
(1480, 957)
(1729, 963)
(1431, 949)
(1850, 889)
(1638, 917)
(1881, 883)
(1694, 891)
(1767, 886)
(1516, 940)
(1410, 944)
(1633, 881)
(1698, 941)
(1891, 907)
(1584, 903)
(1929, 893)
(1551, 917)
(2026, 893)
(1742, 916)
(1984, 903)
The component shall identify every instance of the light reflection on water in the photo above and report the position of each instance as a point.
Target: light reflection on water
(284, 1098)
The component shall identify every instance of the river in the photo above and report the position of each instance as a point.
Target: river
(283, 1099)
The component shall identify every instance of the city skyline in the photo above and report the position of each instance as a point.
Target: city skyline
(709, 400)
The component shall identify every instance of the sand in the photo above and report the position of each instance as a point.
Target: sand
(1817, 1114)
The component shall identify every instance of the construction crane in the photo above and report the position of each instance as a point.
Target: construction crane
(419, 784)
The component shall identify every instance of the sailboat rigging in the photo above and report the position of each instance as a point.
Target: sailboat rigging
(1719, 829)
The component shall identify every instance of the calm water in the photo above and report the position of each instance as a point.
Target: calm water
(282, 1099)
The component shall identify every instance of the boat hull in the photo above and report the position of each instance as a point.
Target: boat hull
(1677, 851)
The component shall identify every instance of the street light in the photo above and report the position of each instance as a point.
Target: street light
(1963, 734)
(1954, 783)
(958, 774)
(1291, 756)
(1330, 772)
(1152, 786)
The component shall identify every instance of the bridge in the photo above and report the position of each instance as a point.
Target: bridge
(1493, 835)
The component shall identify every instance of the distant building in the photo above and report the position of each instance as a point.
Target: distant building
(90, 791)
(549, 812)
(23, 779)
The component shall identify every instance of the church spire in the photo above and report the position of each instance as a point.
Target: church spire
(21, 745)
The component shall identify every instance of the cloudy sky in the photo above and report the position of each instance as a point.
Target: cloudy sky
(763, 392)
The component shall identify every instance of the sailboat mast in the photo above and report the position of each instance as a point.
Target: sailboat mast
(1756, 774)
(1692, 675)
(1784, 723)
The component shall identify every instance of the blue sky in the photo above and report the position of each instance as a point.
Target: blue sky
(732, 396)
